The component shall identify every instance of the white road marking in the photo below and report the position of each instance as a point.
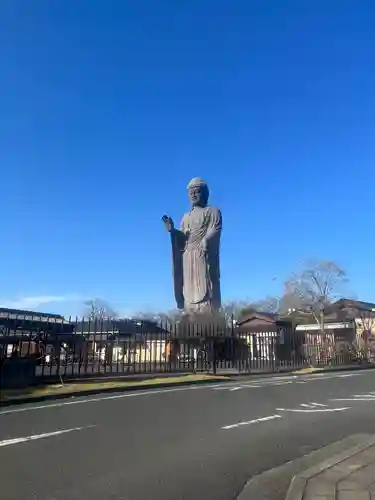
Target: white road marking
(318, 377)
(8, 442)
(312, 405)
(153, 392)
(249, 422)
(102, 398)
(279, 382)
(329, 376)
(285, 377)
(232, 388)
(352, 399)
(283, 383)
(284, 380)
(250, 386)
(316, 410)
(357, 397)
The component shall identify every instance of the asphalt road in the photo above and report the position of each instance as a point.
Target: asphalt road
(177, 443)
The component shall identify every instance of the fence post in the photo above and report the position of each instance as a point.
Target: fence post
(214, 369)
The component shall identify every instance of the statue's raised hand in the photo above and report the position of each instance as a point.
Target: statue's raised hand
(168, 222)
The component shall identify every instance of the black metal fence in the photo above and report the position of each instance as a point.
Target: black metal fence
(48, 351)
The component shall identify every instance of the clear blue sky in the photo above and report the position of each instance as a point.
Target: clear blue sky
(108, 108)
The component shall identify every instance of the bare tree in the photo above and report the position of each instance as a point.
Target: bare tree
(172, 317)
(146, 315)
(99, 309)
(241, 309)
(267, 305)
(319, 284)
(233, 309)
(166, 320)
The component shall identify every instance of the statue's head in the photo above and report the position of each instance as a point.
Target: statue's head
(198, 192)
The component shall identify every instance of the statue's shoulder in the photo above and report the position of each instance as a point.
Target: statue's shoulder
(184, 222)
(213, 211)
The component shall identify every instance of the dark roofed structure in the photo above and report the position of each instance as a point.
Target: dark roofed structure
(348, 309)
(109, 328)
(261, 320)
(18, 322)
(30, 315)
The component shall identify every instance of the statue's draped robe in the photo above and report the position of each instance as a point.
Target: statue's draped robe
(197, 273)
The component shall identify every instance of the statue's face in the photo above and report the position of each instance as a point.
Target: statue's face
(197, 196)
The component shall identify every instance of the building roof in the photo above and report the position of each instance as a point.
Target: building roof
(266, 316)
(345, 309)
(354, 304)
(20, 314)
(327, 326)
(118, 326)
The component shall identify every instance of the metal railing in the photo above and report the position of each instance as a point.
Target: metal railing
(92, 348)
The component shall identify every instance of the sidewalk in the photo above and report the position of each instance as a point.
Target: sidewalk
(349, 475)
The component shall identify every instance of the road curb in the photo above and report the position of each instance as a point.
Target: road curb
(310, 371)
(108, 390)
(298, 484)
(274, 483)
(222, 378)
(302, 371)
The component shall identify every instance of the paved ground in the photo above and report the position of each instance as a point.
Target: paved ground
(349, 475)
(179, 443)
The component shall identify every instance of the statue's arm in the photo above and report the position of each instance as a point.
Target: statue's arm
(179, 238)
(179, 235)
(215, 224)
(178, 241)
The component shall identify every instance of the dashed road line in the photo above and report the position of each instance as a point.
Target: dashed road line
(358, 397)
(313, 410)
(249, 422)
(285, 380)
(343, 400)
(312, 405)
(8, 442)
